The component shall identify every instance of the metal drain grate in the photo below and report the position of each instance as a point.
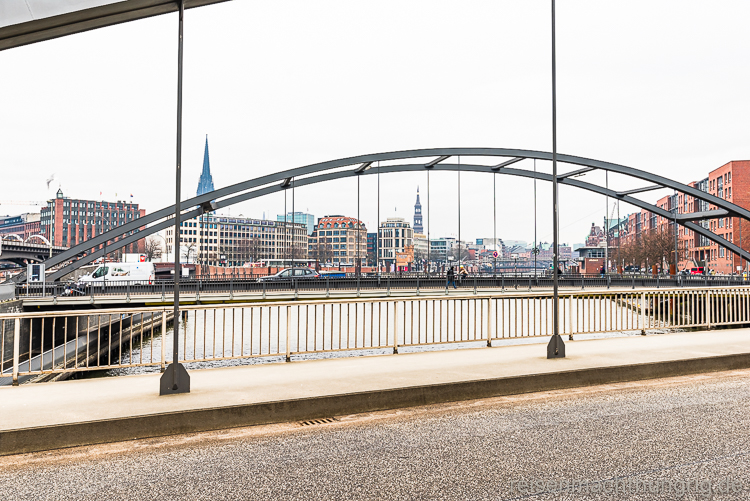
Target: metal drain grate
(313, 422)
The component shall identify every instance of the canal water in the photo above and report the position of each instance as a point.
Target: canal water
(230, 332)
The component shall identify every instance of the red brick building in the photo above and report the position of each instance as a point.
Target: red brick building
(730, 182)
(24, 225)
(68, 222)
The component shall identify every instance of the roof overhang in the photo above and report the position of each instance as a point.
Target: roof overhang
(24, 22)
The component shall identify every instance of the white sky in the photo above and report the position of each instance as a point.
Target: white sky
(661, 86)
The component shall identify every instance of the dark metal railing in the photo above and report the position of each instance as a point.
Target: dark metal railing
(413, 281)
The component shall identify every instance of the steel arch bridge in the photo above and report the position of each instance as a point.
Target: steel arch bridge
(436, 159)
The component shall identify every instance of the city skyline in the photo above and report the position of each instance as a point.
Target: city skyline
(602, 102)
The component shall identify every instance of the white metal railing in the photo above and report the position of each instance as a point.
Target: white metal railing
(55, 342)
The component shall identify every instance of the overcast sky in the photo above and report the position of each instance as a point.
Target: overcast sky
(661, 86)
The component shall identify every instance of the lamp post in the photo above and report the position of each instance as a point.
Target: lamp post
(556, 346)
(176, 379)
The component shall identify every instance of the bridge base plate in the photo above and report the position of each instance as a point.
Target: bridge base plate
(556, 347)
(167, 385)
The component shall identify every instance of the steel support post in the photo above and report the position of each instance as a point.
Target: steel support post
(494, 221)
(556, 346)
(176, 379)
(17, 348)
(395, 327)
(288, 326)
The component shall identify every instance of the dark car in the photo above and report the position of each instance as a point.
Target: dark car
(291, 273)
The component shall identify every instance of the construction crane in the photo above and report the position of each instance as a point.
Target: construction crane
(22, 202)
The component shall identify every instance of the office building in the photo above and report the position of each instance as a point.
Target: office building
(23, 225)
(301, 218)
(396, 244)
(338, 240)
(68, 222)
(219, 240)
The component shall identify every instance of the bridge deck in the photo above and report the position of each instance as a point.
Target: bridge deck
(53, 415)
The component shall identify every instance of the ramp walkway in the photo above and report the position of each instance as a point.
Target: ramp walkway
(82, 412)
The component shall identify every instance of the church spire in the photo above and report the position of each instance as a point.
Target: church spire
(418, 228)
(206, 182)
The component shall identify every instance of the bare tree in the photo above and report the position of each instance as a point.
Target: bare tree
(322, 251)
(298, 252)
(464, 253)
(153, 248)
(187, 250)
(255, 249)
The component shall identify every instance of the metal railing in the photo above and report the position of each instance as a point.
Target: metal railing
(416, 283)
(69, 341)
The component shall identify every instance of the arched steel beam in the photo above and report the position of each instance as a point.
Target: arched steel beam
(441, 153)
(202, 200)
(11, 235)
(393, 169)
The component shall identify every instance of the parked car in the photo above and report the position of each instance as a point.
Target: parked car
(291, 273)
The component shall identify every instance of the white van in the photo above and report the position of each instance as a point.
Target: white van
(120, 272)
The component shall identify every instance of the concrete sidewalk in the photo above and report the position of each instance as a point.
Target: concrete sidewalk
(69, 413)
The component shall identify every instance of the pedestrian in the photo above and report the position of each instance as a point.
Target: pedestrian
(463, 274)
(451, 276)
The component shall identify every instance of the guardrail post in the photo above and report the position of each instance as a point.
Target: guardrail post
(163, 297)
(127, 298)
(657, 281)
(163, 366)
(570, 317)
(389, 285)
(328, 289)
(395, 326)
(358, 285)
(609, 281)
(296, 292)
(417, 285)
(502, 282)
(231, 287)
(489, 322)
(709, 309)
(643, 313)
(288, 326)
(17, 349)
(633, 278)
(475, 285)
(264, 289)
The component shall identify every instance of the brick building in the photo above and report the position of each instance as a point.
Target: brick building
(68, 222)
(23, 225)
(338, 239)
(731, 182)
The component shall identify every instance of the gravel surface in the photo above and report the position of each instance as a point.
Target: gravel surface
(674, 431)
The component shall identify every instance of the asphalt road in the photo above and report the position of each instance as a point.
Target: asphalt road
(670, 435)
